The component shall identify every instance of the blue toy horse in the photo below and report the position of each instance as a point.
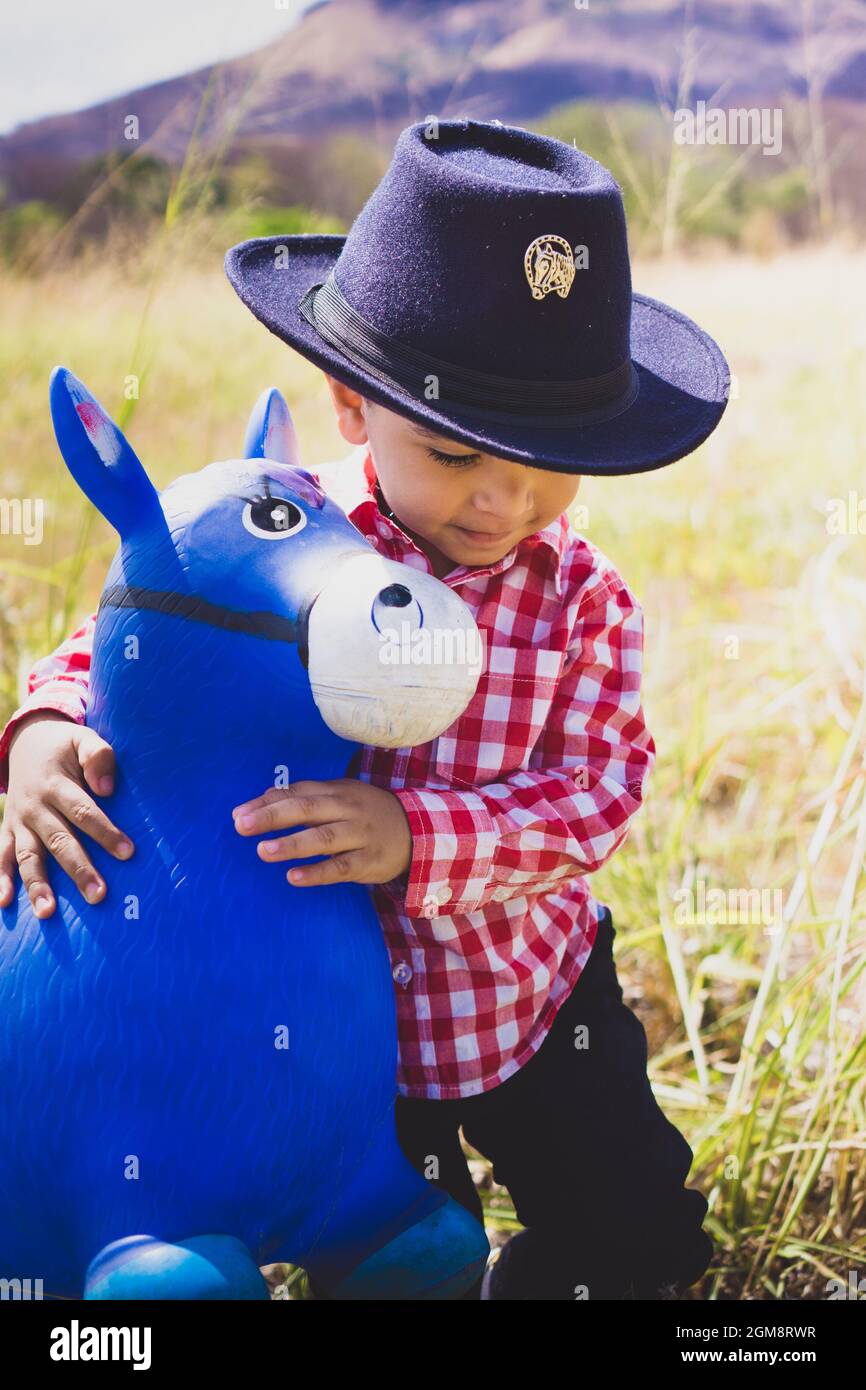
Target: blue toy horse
(198, 1073)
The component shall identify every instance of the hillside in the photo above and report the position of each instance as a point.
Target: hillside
(371, 66)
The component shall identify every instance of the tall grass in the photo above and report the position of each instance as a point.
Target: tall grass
(755, 690)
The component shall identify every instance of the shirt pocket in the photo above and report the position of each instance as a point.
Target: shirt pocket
(505, 718)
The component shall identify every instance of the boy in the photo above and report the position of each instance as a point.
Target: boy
(483, 350)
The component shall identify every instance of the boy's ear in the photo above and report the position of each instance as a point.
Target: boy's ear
(98, 455)
(349, 406)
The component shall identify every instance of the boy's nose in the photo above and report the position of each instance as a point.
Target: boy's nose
(503, 507)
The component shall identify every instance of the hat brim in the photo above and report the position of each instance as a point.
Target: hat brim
(684, 378)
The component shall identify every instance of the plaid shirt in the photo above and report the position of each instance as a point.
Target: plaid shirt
(527, 793)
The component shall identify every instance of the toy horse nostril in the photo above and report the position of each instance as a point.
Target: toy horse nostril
(395, 596)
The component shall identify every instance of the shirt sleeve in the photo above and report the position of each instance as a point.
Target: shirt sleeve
(59, 681)
(566, 814)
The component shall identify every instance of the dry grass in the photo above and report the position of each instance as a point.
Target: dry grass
(756, 1033)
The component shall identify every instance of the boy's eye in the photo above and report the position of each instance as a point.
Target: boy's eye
(451, 460)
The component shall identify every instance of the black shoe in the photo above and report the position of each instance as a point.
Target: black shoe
(516, 1270)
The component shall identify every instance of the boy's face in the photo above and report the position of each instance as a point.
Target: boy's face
(462, 507)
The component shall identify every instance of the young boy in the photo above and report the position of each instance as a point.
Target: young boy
(483, 350)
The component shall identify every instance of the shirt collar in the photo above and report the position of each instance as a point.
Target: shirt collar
(356, 494)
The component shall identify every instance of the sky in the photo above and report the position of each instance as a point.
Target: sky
(61, 55)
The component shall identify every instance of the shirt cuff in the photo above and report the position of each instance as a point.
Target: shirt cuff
(63, 700)
(454, 840)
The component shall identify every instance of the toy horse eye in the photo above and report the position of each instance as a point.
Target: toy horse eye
(273, 518)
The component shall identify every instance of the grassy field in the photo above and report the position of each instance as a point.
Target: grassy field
(755, 691)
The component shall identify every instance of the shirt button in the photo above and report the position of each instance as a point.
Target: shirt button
(439, 893)
(500, 895)
(402, 973)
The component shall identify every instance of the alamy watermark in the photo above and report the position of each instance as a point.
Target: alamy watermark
(702, 906)
(854, 1289)
(20, 1289)
(77, 1343)
(23, 516)
(714, 125)
(846, 516)
(441, 646)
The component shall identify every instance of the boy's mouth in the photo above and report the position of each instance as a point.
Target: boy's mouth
(483, 537)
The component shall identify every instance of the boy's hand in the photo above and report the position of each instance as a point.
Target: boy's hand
(363, 828)
(52, 761)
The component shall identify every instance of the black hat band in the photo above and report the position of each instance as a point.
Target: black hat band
(583, 401)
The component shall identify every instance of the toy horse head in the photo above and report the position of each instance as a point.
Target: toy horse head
(253, 546)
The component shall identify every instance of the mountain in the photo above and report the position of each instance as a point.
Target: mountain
(372, 66)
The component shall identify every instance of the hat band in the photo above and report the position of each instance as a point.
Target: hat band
(509, 400)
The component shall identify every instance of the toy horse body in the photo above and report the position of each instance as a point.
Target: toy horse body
(198, 1073)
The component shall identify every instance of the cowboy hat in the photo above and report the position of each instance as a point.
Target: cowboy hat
(484, 291)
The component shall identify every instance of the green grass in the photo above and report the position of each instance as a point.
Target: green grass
(756, 1036)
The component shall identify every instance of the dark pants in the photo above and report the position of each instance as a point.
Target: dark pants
(593, 1167)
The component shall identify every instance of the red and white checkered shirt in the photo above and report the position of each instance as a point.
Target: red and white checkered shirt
(528, 792)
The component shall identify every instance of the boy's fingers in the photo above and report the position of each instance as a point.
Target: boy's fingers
(84, 814)
(304, 788)
(8, 867)
(272, 794)
(341, 868)
(55, 835)
(29, 858)
(331, 838)
(97, 761)
(284, 811)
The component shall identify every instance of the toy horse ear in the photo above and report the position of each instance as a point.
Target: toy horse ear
(271, 435)
(270, 432)
(97, 454)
